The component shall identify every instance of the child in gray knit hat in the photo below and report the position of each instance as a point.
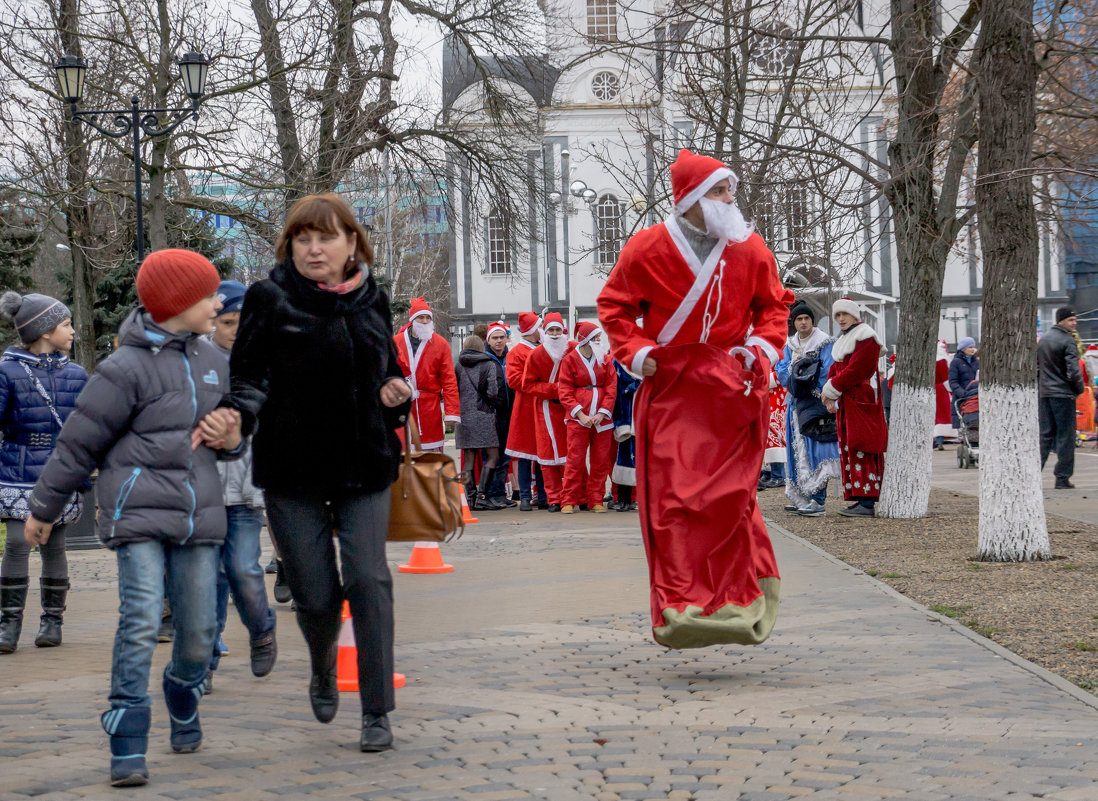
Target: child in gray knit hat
(38, 389)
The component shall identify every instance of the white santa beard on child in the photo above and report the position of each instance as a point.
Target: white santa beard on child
(725, 220)
(555, 346)
(423, 330)
(600, 348)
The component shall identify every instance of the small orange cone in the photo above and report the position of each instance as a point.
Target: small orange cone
(466, 512)
(426, 558)
(347, 658)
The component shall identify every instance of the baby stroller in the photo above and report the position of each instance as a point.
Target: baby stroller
(968, 432)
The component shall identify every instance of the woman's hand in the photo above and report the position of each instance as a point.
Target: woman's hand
(395, 392)
(649, 366)
(36, 532)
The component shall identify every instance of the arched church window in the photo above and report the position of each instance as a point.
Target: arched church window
(602, 21)
(611, 231)
(605, 86)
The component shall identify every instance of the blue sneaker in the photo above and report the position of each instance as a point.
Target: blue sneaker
(221, 646)
(128, 728)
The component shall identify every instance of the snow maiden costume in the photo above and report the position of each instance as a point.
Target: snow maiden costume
(810, 460)
(712, 314)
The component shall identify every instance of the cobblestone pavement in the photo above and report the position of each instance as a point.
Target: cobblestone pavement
(532, 675)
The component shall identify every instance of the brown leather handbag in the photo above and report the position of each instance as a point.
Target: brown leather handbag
(426, 497)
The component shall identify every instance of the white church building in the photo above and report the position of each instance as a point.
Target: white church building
(599, 172)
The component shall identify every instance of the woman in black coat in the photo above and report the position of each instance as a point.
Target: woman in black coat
(315, 375)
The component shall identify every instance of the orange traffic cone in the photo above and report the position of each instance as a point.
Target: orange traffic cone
(466, 512)
(426, 558)
(347, 658)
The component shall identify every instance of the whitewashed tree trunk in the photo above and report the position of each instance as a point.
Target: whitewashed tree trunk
(1012, 507)
(905, 492)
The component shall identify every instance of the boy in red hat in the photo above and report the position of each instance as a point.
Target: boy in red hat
(430, 366)
(695, 305)
(147, 422)
(539, 381)
(522, 443)
(588, 384)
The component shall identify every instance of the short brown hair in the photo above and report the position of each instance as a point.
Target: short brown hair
(327, 213)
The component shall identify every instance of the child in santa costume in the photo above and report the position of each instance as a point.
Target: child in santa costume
(853, 394)
(539, 381)
(430, 370)
(588, 384)
(522, 443)
(712, 317)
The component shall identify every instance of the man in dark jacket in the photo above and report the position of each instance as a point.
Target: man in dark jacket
(497, 351)
(1059, 383)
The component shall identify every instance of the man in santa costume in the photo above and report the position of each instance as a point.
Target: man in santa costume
(712, 318)
(427, 358)
(522, 443)
(853, 394)
(539, 382)
(943, 410)
(588, 384)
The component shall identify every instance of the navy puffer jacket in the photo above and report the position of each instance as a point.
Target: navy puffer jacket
(29, 429)
(134, 422)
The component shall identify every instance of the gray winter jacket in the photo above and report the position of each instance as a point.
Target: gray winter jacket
(478, 392)
(236, 476)
(133, 421)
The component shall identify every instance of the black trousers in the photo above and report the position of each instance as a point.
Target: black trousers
(1057, 418)
(302, 526)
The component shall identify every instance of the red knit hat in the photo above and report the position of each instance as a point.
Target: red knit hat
(171, 281)
(528, 323)
(419, 306)
(586, 331)
(693, 175)
(553, 318)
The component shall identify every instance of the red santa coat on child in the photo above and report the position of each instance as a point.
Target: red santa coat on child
(714, 325)
(434, 386)
(522, 442)
(863, 434)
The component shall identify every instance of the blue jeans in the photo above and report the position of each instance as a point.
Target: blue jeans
(526, 469)
(241, 573)
(190, 575)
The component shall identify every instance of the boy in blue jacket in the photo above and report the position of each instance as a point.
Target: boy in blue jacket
(147, 422)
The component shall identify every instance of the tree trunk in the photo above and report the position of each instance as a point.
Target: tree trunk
(1012, 513)
(156, 167)
(77, 213)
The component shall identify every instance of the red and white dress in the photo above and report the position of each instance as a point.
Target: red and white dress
(863, 434)
(714, 325)
(434, 386)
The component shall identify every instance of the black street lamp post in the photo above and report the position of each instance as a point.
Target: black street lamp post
(134, 120)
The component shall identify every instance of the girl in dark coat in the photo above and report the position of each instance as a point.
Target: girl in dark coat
(38, 389)
(480, 402)
(314, 364)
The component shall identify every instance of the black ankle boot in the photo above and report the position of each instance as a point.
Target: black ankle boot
(54, 592)
(376, 735)
(13, 597)
(322, 636)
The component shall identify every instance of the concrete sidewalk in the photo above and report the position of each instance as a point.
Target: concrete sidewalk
(532, 674)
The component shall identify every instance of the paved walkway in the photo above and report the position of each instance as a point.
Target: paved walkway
(532, 675)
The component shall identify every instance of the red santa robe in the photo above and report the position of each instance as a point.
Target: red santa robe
(431, 372)
(713, 326)
(587, 385)
(539, 381)
(863, 434)
(522, 440)
(943, 415)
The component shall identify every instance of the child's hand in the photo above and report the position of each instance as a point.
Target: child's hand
(36, 532)
(216, 429)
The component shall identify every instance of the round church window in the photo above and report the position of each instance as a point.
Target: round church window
(605, 86)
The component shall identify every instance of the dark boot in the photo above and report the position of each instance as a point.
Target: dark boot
(182, 702)
(129, 731)
(481, 496)
(282, 588)
(376, 735)
(322, 636)
(13, 597)
(54, 592)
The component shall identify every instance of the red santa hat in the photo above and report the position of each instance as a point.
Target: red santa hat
(848, 306)
(1092, 347)
(499, 325)
(693, 175)
(528, 323)
(553, 318)
(585, 332)
(419, 306)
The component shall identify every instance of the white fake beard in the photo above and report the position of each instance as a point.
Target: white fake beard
(423, 330)
(725, 220)
(556, 347)
(600, 348)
